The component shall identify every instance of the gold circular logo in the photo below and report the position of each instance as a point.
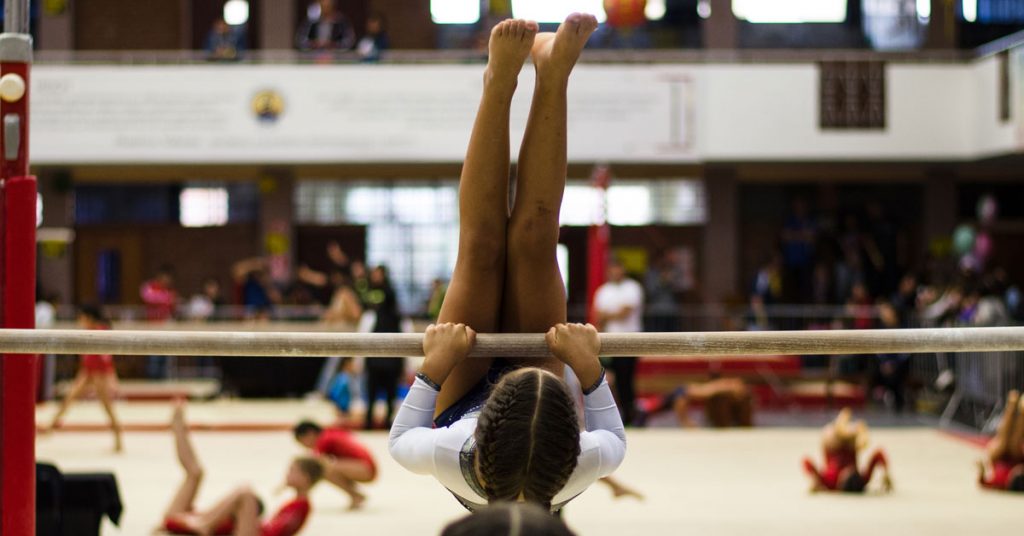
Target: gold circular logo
(267, 105)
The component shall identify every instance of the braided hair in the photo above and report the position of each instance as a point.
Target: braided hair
(528, 438)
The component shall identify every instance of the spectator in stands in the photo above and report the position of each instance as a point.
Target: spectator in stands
(344, 306)
(768, 284)
(161, 300)
(203, 306)
(254, 287)
(326, 28)
(890, 372)
(662, 305)
(619, 304)
(904, 301)
(859, 308)
(225, 42)
(383, 374)
(375, 40)
(798, 236)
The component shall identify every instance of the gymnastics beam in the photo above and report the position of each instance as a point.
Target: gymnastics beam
(703, 344)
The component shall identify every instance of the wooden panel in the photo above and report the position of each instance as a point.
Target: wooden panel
(134, 25)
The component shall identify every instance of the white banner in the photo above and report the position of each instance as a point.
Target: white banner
(1016, 60)
(327, 114)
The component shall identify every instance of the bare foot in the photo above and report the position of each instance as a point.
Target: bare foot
(118, 444)
(511, 41)
(621, 491)
(357, 502)
(178, 416)
(555, 54)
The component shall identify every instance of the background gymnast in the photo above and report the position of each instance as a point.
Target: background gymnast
(346, 462)
(96, 372)
(239, 512)
(506, 429)
(1006, 450)
(842, 440)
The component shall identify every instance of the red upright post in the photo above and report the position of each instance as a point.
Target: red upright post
(17, 277)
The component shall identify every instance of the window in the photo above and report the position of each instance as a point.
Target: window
(455, 11)
(236, 12)
(674, 202)
(203, 207)
(993, 11)
(790, 11)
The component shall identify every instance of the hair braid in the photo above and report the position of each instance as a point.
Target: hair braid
(527, 438)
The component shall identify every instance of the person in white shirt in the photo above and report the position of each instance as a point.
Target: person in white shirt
(619, 304)
(506, 429)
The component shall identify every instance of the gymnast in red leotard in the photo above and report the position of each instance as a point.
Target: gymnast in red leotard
(238, 513)
(96, 371)
(1006, 450)
(842, 441)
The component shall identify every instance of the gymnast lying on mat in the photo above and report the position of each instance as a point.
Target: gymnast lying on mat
(727, 403)
(841, 441)
(506, 429)
(346, 462)
(1006, 450)
(239, 512)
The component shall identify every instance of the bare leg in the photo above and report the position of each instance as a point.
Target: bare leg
(186, 494)
(475, 293)
(1015, 441)
(106, 395)
(818, 482)
(620, 490)
(79, 385)
(241, 504)
(345, 474)
(998, 446)
(878, 460)
(534, 292)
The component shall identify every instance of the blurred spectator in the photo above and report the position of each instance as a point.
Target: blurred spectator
(46, 317)
(161, 300)
(768, 284)
(345, 306)
(626, 25)
(159, 295)
(254, 288)
(798, 236)
(325, 28)
(383, 374)
(225, 42)
(203, 306)
(375, 41)
(890, 373)
(662, 305)
(860, 308)
(904, 301)
(619, 304)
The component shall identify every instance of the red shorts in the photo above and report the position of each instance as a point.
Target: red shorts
(98, 364)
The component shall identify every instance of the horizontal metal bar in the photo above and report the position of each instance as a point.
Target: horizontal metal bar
(691, 344)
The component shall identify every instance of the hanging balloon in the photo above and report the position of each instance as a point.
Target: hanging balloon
(963, 239)
(988, 209)
(982, 246)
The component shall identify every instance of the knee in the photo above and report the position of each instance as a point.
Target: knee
(482, 251)
(534, 235)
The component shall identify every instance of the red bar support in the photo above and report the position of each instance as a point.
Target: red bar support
(18, 374)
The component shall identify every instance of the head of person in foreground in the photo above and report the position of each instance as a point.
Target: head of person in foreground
(509, 519)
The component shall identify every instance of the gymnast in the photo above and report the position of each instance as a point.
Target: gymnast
(239, 512)
(506, 429)
(1006, 450)
(346, 462)
(727, 403)
(841, 441)
(96, 371)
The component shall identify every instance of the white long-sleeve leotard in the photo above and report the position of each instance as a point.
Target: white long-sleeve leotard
(442, 452)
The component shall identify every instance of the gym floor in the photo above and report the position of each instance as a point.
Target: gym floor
(695, 481)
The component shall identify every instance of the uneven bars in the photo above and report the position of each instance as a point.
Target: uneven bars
(691, 344)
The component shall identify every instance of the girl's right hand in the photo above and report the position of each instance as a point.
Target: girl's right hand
(578, 346)
(445, 346)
